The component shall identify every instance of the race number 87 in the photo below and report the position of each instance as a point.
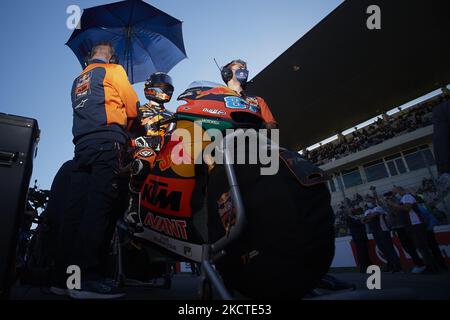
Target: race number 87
(235, 103)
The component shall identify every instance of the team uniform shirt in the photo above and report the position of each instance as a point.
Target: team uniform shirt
(256, 103)
(266, 114)
(259, 103)
(378, 223)
(103, 101)
(413, 216)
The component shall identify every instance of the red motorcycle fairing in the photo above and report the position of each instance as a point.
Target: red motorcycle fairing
(170, 196)
(220, 102)
(173, 195)
(168, 200)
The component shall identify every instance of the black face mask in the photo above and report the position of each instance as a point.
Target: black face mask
(242, 76)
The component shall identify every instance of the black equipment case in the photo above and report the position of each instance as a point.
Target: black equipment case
(18, 146)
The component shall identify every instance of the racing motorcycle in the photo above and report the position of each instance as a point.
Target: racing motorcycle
(261, 236)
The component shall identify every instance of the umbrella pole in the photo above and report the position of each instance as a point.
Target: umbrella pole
(129, 53)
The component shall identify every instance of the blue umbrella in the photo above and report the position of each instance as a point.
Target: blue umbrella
(146, 39)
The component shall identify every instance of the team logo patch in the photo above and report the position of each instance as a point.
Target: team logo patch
(146, 153)
(226, 210)
(253, 104)
(83, 85)
(215, 111)
(254, 109)
(168, 196)
(252, 101)
(172, 227)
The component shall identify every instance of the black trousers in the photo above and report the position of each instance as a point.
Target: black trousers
(384, 243)
(362, 251)
(56, 206)
(434, 246)
(419, 236)
(96, 194)
(408, 245)
(441, 136)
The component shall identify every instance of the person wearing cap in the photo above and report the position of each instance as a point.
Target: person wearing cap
(416, 226)
(397, 223)
(235, 76)
(375, 218)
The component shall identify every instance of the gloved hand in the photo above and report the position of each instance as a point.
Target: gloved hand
(155, 126)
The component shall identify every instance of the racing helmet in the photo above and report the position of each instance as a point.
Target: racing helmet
(159, 87)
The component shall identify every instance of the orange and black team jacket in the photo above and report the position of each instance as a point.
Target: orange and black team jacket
(103, 102)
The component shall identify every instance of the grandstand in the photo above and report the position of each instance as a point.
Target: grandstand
(341, 75)
(395, 149)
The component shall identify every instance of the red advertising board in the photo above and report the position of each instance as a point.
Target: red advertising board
(376, 256)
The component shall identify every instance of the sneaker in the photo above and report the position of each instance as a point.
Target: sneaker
(97, 290)
(417, 269)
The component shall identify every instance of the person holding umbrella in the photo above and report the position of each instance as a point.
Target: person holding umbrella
(104, 106)
(143, 40)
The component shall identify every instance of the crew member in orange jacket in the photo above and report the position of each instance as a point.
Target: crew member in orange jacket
(104, 105)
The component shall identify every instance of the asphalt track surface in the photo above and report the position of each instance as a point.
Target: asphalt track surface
(398, 286)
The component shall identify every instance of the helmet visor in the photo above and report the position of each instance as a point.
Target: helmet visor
(160, 78)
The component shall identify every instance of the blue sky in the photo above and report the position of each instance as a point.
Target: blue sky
(38, 69)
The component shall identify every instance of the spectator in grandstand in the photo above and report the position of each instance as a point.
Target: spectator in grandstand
(359, 237)
(431, 198)
(416, 228)
(441, 140)
(375, 217)
(385, 128)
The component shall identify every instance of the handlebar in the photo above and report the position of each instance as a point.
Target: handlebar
(162, 122)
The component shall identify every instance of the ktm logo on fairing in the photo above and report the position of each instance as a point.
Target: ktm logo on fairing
(169, 196)
(171, 227)
(158, 195)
